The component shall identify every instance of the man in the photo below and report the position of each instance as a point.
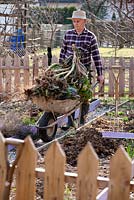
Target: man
(86, 42)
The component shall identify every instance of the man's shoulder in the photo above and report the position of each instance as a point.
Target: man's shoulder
(90, 33)
(70, 31)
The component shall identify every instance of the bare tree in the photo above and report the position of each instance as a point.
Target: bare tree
(124, 8)
(47, 14)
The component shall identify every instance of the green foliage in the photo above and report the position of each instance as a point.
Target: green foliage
(120, 113)
(67, 193)
(111, 114)
(125, 119)
(57, 15)
(28, 121)
(65, 13)
(98, 8)
(130, 148)
(85, 91)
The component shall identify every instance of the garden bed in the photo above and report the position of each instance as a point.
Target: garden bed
(76, 141)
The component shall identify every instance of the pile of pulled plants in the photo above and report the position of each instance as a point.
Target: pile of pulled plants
(69, 80)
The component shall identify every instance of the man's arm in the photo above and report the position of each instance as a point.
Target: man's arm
(97, 59)
(63, 51)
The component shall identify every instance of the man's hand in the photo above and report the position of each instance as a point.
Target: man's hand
(100, 79)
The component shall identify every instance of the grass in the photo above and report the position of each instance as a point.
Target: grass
(110, 52)
(107, 52)
(130, 149)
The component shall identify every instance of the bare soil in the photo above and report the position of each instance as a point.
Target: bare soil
(75, 142)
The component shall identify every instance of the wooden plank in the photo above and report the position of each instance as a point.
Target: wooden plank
(16, 74)
(8, 15)
(102, 182)
(26, 71)
(54, 59)
(13, 68)
(131, 78)
(5, 24)
(44, 61)
(6, 34)
(132, 174)
(1, 76)
(87, 174)
(111, 79)
(119, 184)
(35, 67)
(3, 166)
(93, 105)
(103, 194)
(8, 75)
(122, 77)
(110, 134)
(25, 172)
(54, 176)
(14, 141)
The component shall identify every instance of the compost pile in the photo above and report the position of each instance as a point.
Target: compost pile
(104, 147)
(68, 80)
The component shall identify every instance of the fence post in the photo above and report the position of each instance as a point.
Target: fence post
(54, 176)
(87, 174)
(35, 67)
(3, 166)
(120, 175)
(25, 173)
(16, 73)
(131, 78)
(8, 74)
(1, 76)
(44, 61)
(111, 78)
(55, 59)
(26, 72)
(122, 77)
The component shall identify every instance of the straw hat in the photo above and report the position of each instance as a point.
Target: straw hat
(80, 14)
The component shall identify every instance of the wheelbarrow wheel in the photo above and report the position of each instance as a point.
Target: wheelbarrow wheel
(47, 134)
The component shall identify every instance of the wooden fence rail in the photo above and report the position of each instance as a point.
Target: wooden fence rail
(87, 182)
(17, 74)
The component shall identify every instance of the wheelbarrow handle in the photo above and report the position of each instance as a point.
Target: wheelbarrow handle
(94, 85)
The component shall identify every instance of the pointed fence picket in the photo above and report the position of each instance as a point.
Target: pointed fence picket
(119, 177)
(17, 77)
(3, 166)
(17, 73)
(26, 71)
(25, 173)
(8, 74)
(54, 175)
(87, 165)
(87, 182)
(35, 67)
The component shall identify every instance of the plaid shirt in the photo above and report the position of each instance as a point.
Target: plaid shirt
(87, 44)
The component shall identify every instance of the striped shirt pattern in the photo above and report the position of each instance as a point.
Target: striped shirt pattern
(87, 44)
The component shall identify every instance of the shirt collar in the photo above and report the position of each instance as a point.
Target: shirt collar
(84, 31)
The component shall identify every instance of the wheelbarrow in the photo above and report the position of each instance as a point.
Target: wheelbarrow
(55, 114)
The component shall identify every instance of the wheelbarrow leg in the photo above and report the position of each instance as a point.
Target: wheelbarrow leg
(84, 108)
(70, 122)
(71, 119)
